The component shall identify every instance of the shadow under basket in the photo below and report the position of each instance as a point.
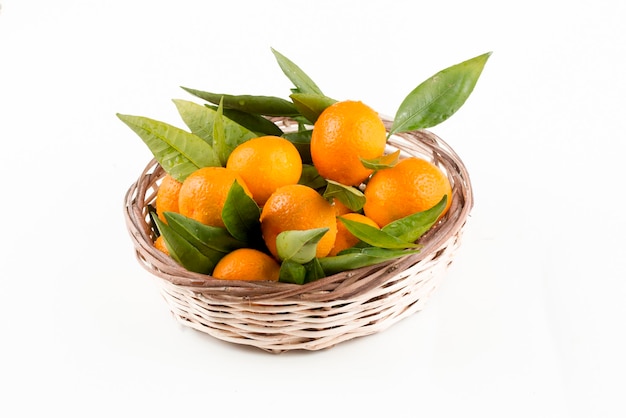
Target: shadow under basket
(278, 317)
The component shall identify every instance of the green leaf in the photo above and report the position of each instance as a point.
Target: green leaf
(310, 105)
(180, 153)
(219, 136)
(292, 272)
(259, 105)
(183, 252)
(350, 196)
(208, 239)
(411, 227)
(302, 141)
(359, 257)
(374, 236)
(310, 177)
(385, 161)
(241, 215)
(302, 82)
(299, 246)
(314, 271)
(439, 97)
(200, 120)
(197, 119)
(303, 123)
(258, 124)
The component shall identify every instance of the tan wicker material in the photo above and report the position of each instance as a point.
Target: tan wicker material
(278, 317)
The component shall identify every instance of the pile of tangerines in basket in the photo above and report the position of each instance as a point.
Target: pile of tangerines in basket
(243, 199)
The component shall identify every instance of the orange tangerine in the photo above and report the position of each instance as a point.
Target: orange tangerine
(413, 185)
(203, 194)
(298, 207)
(247, 264)
(265, 164)
(167, 196)
(345, 133)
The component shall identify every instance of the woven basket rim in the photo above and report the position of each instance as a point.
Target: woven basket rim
(340, 286)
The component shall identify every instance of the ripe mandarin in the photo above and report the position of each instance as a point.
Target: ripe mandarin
(345, 133)
(203, 194)
(265, 164)
(298, 207)
(159, 244)
(413, 185)
(340, 208)
(167, 196)
(247, 264)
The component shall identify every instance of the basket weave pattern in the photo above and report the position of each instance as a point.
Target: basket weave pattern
(278, 317)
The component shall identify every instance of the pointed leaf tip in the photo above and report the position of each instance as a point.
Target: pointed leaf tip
(439, 97)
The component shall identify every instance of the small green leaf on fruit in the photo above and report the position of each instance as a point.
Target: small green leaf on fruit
(241, 214)
(374, 236)
(384, 161)
(299, 246)
(412, 227)
(350, 196)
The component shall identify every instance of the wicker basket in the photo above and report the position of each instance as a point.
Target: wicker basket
(278, 317)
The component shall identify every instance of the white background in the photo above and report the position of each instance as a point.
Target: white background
(529, 322)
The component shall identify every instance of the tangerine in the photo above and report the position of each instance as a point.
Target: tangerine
(298, 207)
(413, 185)
(203, 194)
(265, 164)
(345, 133)
(167, 196)
(247, 264)
(159, 244)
